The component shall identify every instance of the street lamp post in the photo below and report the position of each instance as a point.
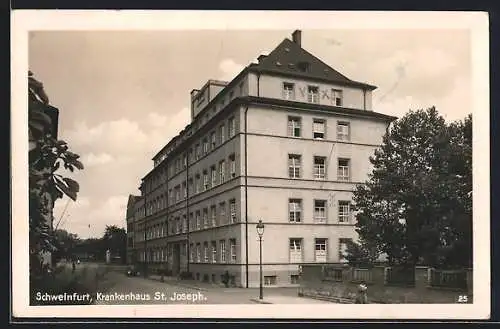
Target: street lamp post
(260, 232)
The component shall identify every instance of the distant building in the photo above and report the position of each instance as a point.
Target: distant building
(285, 141)
(131, 213)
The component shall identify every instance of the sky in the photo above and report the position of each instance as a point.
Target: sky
(122, 95)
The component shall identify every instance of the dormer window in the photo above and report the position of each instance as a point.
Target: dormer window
(303, 66)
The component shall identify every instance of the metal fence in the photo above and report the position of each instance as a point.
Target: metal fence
(448, 278)
(400, 276)
(362, 275)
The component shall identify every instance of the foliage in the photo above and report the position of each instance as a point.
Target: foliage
(46, 155)
(114, 239)
(65, 243)
(416, 206)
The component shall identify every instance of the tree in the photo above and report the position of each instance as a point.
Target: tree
(416, 206)
(65, 244)
(46, 154)
(115, 240)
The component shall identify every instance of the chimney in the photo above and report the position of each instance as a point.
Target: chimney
(261, 57)
(297, 37)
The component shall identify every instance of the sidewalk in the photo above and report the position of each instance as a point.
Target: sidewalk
(193, 284)
(288, 300)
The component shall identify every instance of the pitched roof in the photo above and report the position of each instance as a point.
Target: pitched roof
(132, 199)
(289, 58)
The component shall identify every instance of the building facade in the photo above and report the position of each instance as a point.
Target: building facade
(286, 141)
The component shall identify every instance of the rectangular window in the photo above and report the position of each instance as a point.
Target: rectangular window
(205, 218)
(177, 193)
(319, 167)
(343, 243)
(295, 210)
(205, 252)
(178, 225)
(232, 246)
(232, 166)
(213, 140)
(197, 152)
(294, 165)
(198, 253)
(295, 250)
(213, 216)
(294, 125)
(198, 220)
(222, 213)
(205, 180)
(320, 211)
(288, 91)
(222, 171)
(232, 127)
(197, 184)
(222, 134)
(320, 248)
(184, 224)
(319, 129)
(270, 280)
(222, 246)
(343, 170)
(344, 211)
(214, 252)
(213, 174)
(313, 94)
(191, 252)
(343, 131)
(184, 161)
(205, 146)
(184, 190)
(337, 97)
(232, 210)
(294, 279)
(192, 223)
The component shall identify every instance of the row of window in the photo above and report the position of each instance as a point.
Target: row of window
(320, 215)
(203, 183)
(216, 251)
(197, 185)
(213, 252)
(318, 128)
(198, 220)
(213, 217)
(209, 143)
(200, 120)
(296, 250)
(161, 254)
(319, 167)
(313, 95)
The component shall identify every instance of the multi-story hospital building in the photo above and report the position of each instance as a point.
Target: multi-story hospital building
(285, 142)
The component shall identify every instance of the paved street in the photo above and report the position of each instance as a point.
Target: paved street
(139, 290)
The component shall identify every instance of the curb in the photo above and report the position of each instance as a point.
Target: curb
(258, 301)
(177, 283)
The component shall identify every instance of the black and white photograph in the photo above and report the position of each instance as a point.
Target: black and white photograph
(283, 164)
